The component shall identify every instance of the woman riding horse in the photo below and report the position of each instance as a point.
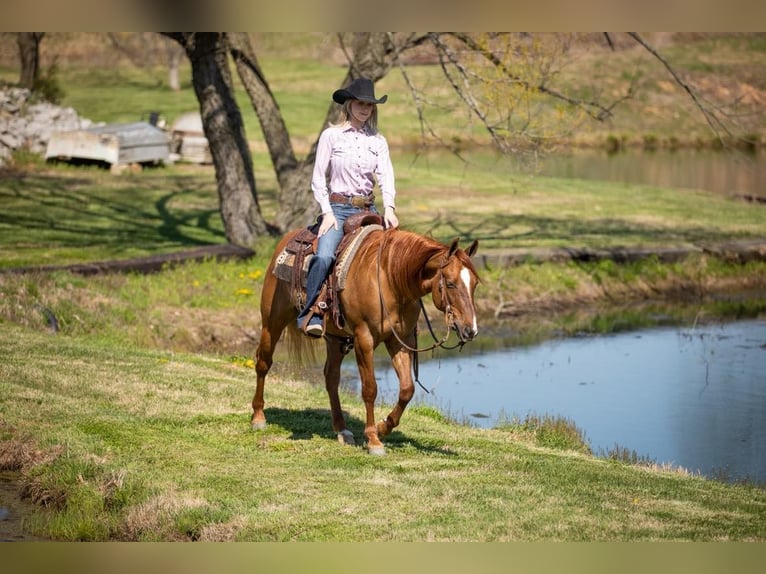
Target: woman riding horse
(356, 154)
(380, 303)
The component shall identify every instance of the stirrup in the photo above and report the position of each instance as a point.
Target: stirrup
(313, 331)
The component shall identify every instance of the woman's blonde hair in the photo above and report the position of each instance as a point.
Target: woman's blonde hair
(345, 114)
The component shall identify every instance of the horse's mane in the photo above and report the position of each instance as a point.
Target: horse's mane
(407, 255)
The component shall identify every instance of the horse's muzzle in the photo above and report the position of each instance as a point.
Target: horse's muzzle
(465, 333)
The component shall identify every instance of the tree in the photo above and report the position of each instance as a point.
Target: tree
(29, 54)
(225, 132)
(523, 69)
(222, 123)
(147, 49)
(174, 56)
(296, 205)
(292, 175)
(506, 81)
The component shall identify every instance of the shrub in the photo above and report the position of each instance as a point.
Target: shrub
(48, 87)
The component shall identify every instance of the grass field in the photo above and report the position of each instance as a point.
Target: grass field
(304, 68)
(130, 419)
(57, 215)
(131, 422)
(135, 444)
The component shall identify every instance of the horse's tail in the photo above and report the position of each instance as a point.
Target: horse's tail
(301, 350)
(278, 315)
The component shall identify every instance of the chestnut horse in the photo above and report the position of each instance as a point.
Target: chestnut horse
(392, 270)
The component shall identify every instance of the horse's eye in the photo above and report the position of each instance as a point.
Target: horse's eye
(451, 285)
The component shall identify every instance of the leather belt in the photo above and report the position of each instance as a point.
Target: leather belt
(358, 201)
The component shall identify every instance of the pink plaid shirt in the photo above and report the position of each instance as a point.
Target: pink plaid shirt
(356, 159)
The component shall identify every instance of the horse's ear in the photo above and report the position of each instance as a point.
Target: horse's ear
(453, 247)
(472, 248)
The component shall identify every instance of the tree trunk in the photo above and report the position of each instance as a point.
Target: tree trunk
(29, 54)
(371, 57)
(175, 55)
(296, 206)
(225, 132)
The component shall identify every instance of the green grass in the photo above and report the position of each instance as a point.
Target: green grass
(151, 445)
(131, 422)
(123, 95)
(503, 208)
(59, 215)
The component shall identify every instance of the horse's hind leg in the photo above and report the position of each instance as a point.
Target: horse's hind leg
(335, 354)
(276, 312)
(263, 363)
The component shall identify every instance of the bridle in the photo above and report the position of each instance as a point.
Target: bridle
(447, 313)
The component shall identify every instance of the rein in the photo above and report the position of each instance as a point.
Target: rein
(437, 342)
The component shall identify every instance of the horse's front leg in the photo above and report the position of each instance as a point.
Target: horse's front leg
(401, 359)
(364, 348)
(332, 364)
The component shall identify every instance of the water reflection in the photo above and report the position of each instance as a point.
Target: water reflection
(727, 173)
(692, 397)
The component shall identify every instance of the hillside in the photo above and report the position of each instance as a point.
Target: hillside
(728, 72)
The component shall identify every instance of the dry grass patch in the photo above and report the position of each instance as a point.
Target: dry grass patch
(224, 531)
(155, 519)
(19, 453)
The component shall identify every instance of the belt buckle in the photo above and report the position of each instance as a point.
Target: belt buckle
(358, 201)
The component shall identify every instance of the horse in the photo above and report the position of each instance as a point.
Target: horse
(380, 303)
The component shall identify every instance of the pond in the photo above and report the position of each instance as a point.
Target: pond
(693, 397)
(730, 173)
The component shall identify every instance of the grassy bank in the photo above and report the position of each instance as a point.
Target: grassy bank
(135, 444)
(60, 215)
(131, 421)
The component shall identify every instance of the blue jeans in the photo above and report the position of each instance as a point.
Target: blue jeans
(323, 259)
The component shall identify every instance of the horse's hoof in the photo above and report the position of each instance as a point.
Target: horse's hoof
(346, 437)
(258, 425)
(377, 450)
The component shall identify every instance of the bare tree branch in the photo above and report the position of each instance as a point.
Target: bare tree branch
(594, 109)
(425, 127)
(711, 118)
(464, 90)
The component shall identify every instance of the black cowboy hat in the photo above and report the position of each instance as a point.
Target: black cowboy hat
(360, 89)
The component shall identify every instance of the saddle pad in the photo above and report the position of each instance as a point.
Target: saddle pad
(343, 263)
(283, 267)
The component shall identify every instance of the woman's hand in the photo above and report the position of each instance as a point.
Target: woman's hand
(390, 218)
(328, 222)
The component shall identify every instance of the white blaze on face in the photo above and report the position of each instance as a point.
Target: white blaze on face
(465, 275)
